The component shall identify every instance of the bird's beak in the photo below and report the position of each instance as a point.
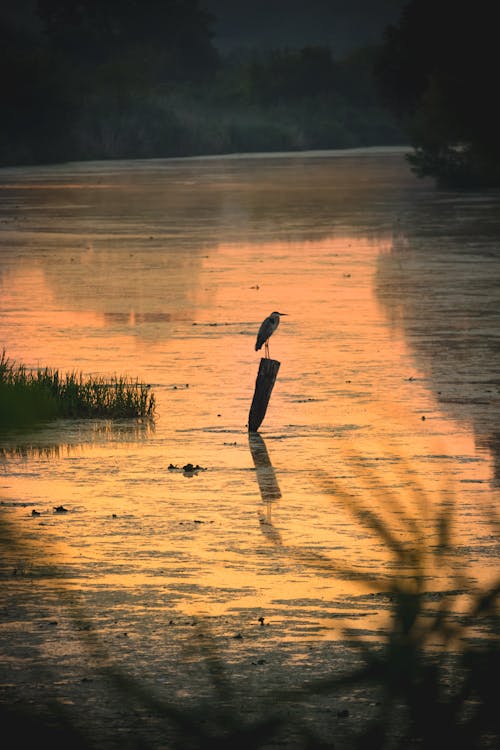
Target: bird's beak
(283, 313)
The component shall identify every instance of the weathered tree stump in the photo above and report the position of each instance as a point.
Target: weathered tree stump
(268, 370)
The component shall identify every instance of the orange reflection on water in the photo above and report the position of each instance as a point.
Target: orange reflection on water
(361, 461)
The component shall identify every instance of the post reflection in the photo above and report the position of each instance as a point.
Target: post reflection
(268, 484)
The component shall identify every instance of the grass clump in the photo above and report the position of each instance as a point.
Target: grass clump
(30, 396)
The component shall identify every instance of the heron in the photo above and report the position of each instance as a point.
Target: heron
(268, 327)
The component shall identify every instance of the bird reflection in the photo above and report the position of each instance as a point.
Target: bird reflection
(268, 484)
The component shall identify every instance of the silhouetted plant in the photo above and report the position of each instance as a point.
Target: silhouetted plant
(442, 94)
(432, 674)
(30, 396)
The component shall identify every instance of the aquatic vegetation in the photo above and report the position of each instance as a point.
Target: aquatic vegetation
(30, 396)
(427, 680)
(434, 670)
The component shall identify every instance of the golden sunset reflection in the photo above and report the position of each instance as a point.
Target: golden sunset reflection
(362, 465)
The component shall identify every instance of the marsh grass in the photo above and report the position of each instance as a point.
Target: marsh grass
(31, 396)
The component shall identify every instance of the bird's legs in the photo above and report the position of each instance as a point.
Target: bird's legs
(266, 347)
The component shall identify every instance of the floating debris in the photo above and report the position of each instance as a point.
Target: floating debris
(188, 469)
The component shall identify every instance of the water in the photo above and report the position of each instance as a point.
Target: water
(382, 426)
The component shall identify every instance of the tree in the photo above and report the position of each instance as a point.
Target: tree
(289, 74)
(435, 70)
(36, 112)
(172, 39)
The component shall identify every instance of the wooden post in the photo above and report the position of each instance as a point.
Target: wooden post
(268, 370)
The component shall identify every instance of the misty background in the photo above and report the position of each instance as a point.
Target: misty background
(117, 79)
(261, 76)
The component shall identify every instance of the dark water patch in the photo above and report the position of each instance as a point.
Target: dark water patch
(306, 400)
(354, 394)
(339, 430)
(449, 457)
(133, 318)
(17, 503)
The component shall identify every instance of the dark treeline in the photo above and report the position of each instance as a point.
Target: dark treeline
(122, 79)
(106, 79)
(437, 70)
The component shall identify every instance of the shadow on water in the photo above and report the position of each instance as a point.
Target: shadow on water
(440, 285)
(429, 681)
(268, 484)
(266, 477)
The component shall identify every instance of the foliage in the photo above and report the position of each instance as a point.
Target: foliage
(28, 397)
(37, 104)
(430, 678)
(435, 672)
(138, 80)
(171, 39)
(290, 74)
(436, 70)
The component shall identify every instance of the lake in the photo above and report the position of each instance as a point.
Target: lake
(379, 457)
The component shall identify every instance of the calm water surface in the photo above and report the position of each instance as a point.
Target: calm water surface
(383, 422)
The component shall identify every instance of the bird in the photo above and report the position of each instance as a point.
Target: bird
(268, 327)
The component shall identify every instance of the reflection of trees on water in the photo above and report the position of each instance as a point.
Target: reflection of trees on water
(110, 238)
(441, 285)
